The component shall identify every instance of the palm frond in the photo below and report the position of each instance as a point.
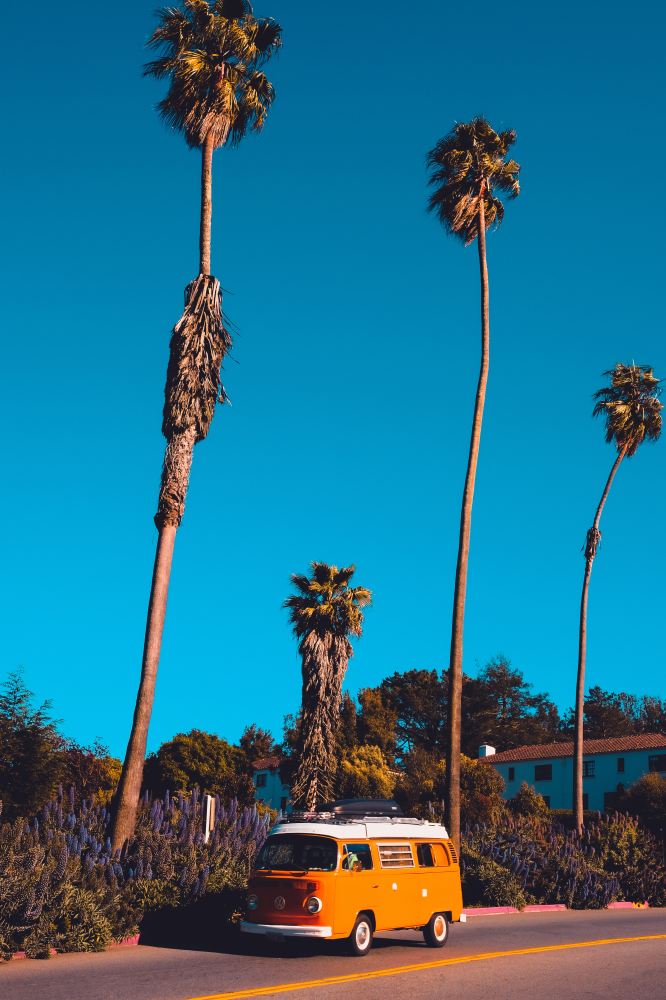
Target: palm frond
(467, 165)
(325, 602)
(630, 406)
(212, 52)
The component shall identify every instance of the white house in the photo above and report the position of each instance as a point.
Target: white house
(269, 787)
(609, 766)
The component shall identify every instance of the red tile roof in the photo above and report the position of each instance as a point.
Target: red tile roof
(266, 764)
(618, 744)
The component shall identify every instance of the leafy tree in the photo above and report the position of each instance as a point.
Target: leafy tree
(91, 770)
(420, 790)
(347, 738)
(31, 750)
(632, 412)
(199, 759)
(256, 743)
(610, 713)
(606, 714)
(469, 168)
(417, 699)
(651, 715)
(481, 792)
(377, 722)
(420, 786)
(364, 773)
(646, 798)
(211, 53)
(499, 708)
(324, 612)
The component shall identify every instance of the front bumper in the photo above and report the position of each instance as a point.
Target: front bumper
(286, 930)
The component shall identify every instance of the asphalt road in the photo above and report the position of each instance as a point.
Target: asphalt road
(474, 965)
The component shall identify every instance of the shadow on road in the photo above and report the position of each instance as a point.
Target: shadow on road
(212, 924)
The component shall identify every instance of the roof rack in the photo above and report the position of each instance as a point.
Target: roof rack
(337, 820)
(363, 807)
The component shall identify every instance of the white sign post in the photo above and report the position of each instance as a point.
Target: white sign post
(209, 811)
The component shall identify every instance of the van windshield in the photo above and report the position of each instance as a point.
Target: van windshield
(298, 852)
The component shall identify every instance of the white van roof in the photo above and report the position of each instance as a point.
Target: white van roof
(365, 828)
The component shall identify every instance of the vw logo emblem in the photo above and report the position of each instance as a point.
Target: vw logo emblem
(279, 902)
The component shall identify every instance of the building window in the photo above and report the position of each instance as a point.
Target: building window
(610, 801)
(620, 765)
(283, 803)
(546, 799)
(543, 772)
(585, 800)
(261, 780)
(512, 773)
(588, 768)
(657, 762)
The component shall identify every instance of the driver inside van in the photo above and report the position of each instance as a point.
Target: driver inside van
(352, 862)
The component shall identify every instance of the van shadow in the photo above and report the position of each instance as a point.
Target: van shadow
(213, 924)
(209, 924)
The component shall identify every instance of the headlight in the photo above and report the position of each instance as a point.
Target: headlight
(252, 902)
(314, 904)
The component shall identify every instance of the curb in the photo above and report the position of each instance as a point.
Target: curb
(125, 943)
(500, 911)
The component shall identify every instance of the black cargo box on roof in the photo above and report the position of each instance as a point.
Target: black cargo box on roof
(362, 807)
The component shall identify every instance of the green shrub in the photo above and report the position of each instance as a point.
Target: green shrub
(81, 923)
(528, 802)
(629, 852)
(486, 883)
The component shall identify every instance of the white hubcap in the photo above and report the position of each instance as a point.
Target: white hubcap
(362, 935)
(440, 928)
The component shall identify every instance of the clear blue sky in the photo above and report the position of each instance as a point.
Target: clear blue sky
(355, 363)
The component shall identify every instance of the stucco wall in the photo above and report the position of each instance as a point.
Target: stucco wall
(558, 789)
(273, 792)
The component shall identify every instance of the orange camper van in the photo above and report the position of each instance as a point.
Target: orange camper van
(355, 867)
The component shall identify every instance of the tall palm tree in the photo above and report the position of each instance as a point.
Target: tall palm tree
(632, 411)
(324, 613)
(211, 54)
(469, 168)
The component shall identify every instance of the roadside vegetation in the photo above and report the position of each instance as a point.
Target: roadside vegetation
(63, 887)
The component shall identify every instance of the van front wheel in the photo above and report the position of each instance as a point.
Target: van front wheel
(360, 939)
(436, 931)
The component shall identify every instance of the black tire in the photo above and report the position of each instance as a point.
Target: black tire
(436, 931)
(360, 939)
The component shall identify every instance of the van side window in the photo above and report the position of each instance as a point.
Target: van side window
(440, 856)
(424, 854)
(357, 857)
(395, 855)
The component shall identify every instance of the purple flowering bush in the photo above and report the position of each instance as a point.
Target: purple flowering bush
(533, 859)
(61, 887)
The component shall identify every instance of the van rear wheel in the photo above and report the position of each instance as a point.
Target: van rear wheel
(360, 939)
(436, 931)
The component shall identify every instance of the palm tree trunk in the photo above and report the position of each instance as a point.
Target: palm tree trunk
(322, 680)
(129, 789)
(591, 543)
(206, 203)
(452, 790)
(170, 509)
